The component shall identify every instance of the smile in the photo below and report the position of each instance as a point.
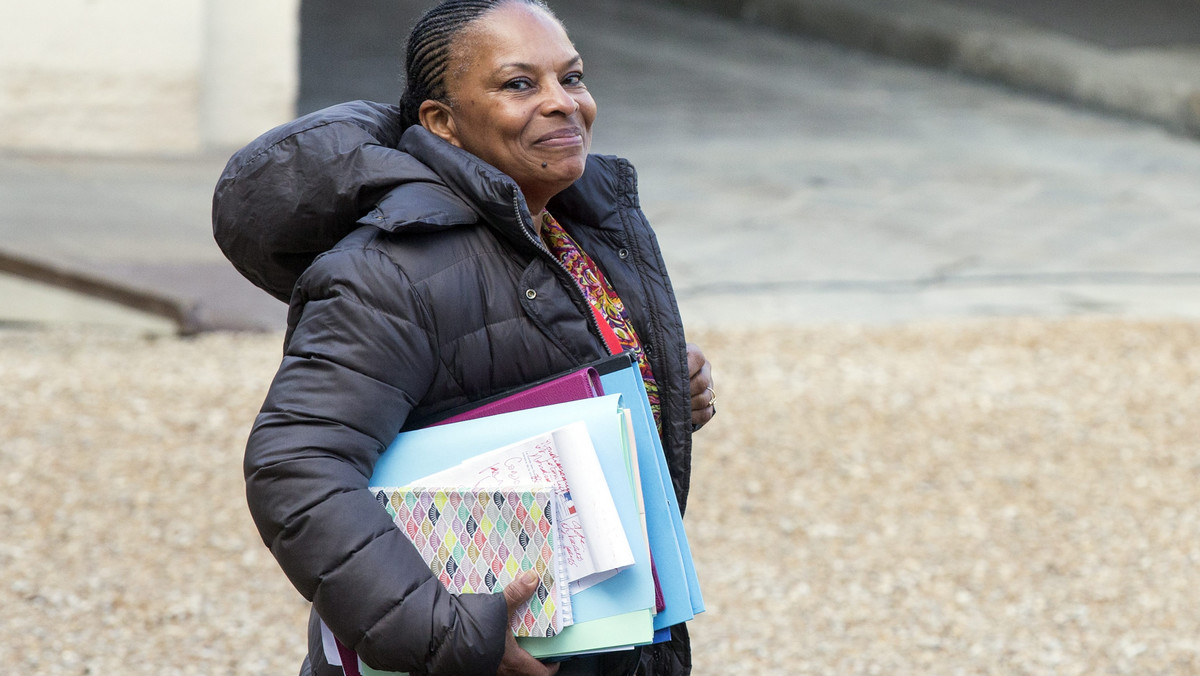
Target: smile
(567, 136)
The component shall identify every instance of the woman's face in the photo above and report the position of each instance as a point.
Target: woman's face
(517, 100)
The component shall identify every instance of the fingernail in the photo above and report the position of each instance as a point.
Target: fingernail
(528, 578)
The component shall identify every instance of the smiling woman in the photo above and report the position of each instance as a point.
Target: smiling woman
(434, 254)
(518, 102)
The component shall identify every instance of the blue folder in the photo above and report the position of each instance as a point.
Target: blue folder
(664, 523)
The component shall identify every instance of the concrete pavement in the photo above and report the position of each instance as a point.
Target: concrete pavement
(791, 181)
(1137, 59)
(796, 181)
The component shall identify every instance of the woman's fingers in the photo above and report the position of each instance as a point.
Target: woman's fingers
(704, 395)
(516, 659)
(520, 590)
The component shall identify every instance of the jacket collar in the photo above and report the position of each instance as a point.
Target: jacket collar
(461, 190)
(608, 185)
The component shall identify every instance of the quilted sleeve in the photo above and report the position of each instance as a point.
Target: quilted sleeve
(358, 358)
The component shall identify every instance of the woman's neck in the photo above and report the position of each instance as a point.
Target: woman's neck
(536, 207)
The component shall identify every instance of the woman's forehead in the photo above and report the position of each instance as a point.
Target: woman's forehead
(516, 33)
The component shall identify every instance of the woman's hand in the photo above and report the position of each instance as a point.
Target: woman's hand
(703, 395)
(516, 659)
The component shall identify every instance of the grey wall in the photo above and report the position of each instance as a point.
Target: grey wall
(353, 49)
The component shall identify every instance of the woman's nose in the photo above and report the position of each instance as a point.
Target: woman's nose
(558, 100)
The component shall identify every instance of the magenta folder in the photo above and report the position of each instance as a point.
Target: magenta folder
(581, 384)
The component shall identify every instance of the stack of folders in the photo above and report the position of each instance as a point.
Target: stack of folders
(566, 477)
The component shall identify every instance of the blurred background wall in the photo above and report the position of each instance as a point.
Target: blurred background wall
(353, 49)
(138, 77)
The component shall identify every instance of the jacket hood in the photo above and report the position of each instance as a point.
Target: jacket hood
(296, 191)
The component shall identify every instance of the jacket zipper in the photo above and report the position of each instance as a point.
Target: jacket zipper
(592, 321)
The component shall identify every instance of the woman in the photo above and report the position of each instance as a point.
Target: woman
(462, 245)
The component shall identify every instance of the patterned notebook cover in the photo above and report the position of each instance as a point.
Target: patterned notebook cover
(479, 541)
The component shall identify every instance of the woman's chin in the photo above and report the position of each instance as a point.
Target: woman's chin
(567, 169)
(552, 178)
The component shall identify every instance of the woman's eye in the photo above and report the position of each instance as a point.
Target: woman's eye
(518, 84)
(573, 80)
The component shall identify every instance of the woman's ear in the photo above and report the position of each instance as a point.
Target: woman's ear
(437, 117)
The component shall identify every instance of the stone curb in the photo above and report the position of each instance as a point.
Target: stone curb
(1156, 85)
(180, 312)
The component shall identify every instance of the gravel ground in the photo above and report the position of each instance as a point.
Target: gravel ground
(1001, 497)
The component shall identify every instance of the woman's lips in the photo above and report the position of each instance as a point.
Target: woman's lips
(567, 136)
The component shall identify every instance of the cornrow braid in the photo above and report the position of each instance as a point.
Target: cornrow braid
(427, 54)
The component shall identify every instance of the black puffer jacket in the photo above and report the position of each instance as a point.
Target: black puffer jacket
(416, 284)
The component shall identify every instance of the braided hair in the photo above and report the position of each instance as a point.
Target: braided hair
(428, 52)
